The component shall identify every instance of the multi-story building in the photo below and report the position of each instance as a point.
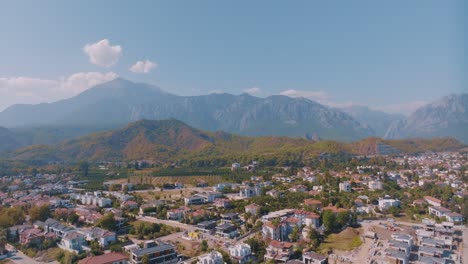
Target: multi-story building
(385, 203)
(345, 186)
(103, 237)
(432, 201)
(214, 257)
(308, 218)
(241, 252)
(93, 199)
(444, 212)
(72, 242)
(253, 209)
(194, 200)
(313, 204)
(226, 231)
(161, 253)
(375, 185)
(249, 191)
(313, 258)
(279, 251)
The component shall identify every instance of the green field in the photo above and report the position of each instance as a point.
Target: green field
(346, 240)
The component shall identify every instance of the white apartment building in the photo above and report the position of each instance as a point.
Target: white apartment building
(385, 203)
(345, 186)
(375, 185)
(214, 257)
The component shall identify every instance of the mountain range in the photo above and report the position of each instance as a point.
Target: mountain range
(168, 141)
(378, 121)
(447, 117)
(120, 101)
(116, 103)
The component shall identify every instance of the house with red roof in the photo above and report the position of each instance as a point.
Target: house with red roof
(279, 251)
(110, 258)
(314, 204)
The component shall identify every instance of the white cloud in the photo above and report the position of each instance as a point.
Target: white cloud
(102, 53)
(403, 108)
(79, 82)
(319, 96)
(253, 90)
(27, 90)
(143, 66)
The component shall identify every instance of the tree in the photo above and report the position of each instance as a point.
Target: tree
(39, 213)
(116, 248)
(395, 211)
(95, 248)
(329, 220)
(342, 219)
(107, 222)
(258, 246)
(465, 210)
(294, 236)
(226, 257)
(145, 260)
(11, 216)
(83, 167)
(276, 222)
(73, 218)
(314, 238)
(204, 246)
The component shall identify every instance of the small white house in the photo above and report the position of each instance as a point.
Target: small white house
(345, 186)
(240, 252)
(214, 257)
(385, 203)
(375, 185)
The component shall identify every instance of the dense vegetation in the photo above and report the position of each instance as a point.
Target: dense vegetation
(171, 141)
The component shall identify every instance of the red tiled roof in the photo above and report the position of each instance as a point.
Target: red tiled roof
(432, 199)
(312, 202)
(270, 225)
(293, 220)
(278, 244)
(313, 215)
(334, 209)
(104, 259)
(252, 206)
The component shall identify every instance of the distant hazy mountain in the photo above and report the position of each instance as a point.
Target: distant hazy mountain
(447, 117)
(120, 102)
(169, 141)
(8, 140)
(378, 121)
(49, 135)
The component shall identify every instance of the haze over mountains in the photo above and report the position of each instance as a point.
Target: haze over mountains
(118, 102)
(378, 121)
(168, 141)
(447, 117)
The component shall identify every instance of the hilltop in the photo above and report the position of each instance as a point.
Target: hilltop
(120, 101)
(171, 140)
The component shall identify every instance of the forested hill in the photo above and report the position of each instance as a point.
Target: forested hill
(171, 140)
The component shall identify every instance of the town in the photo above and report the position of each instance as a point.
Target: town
(387, 209)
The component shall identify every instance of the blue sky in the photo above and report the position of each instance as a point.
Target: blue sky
(392, 55)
